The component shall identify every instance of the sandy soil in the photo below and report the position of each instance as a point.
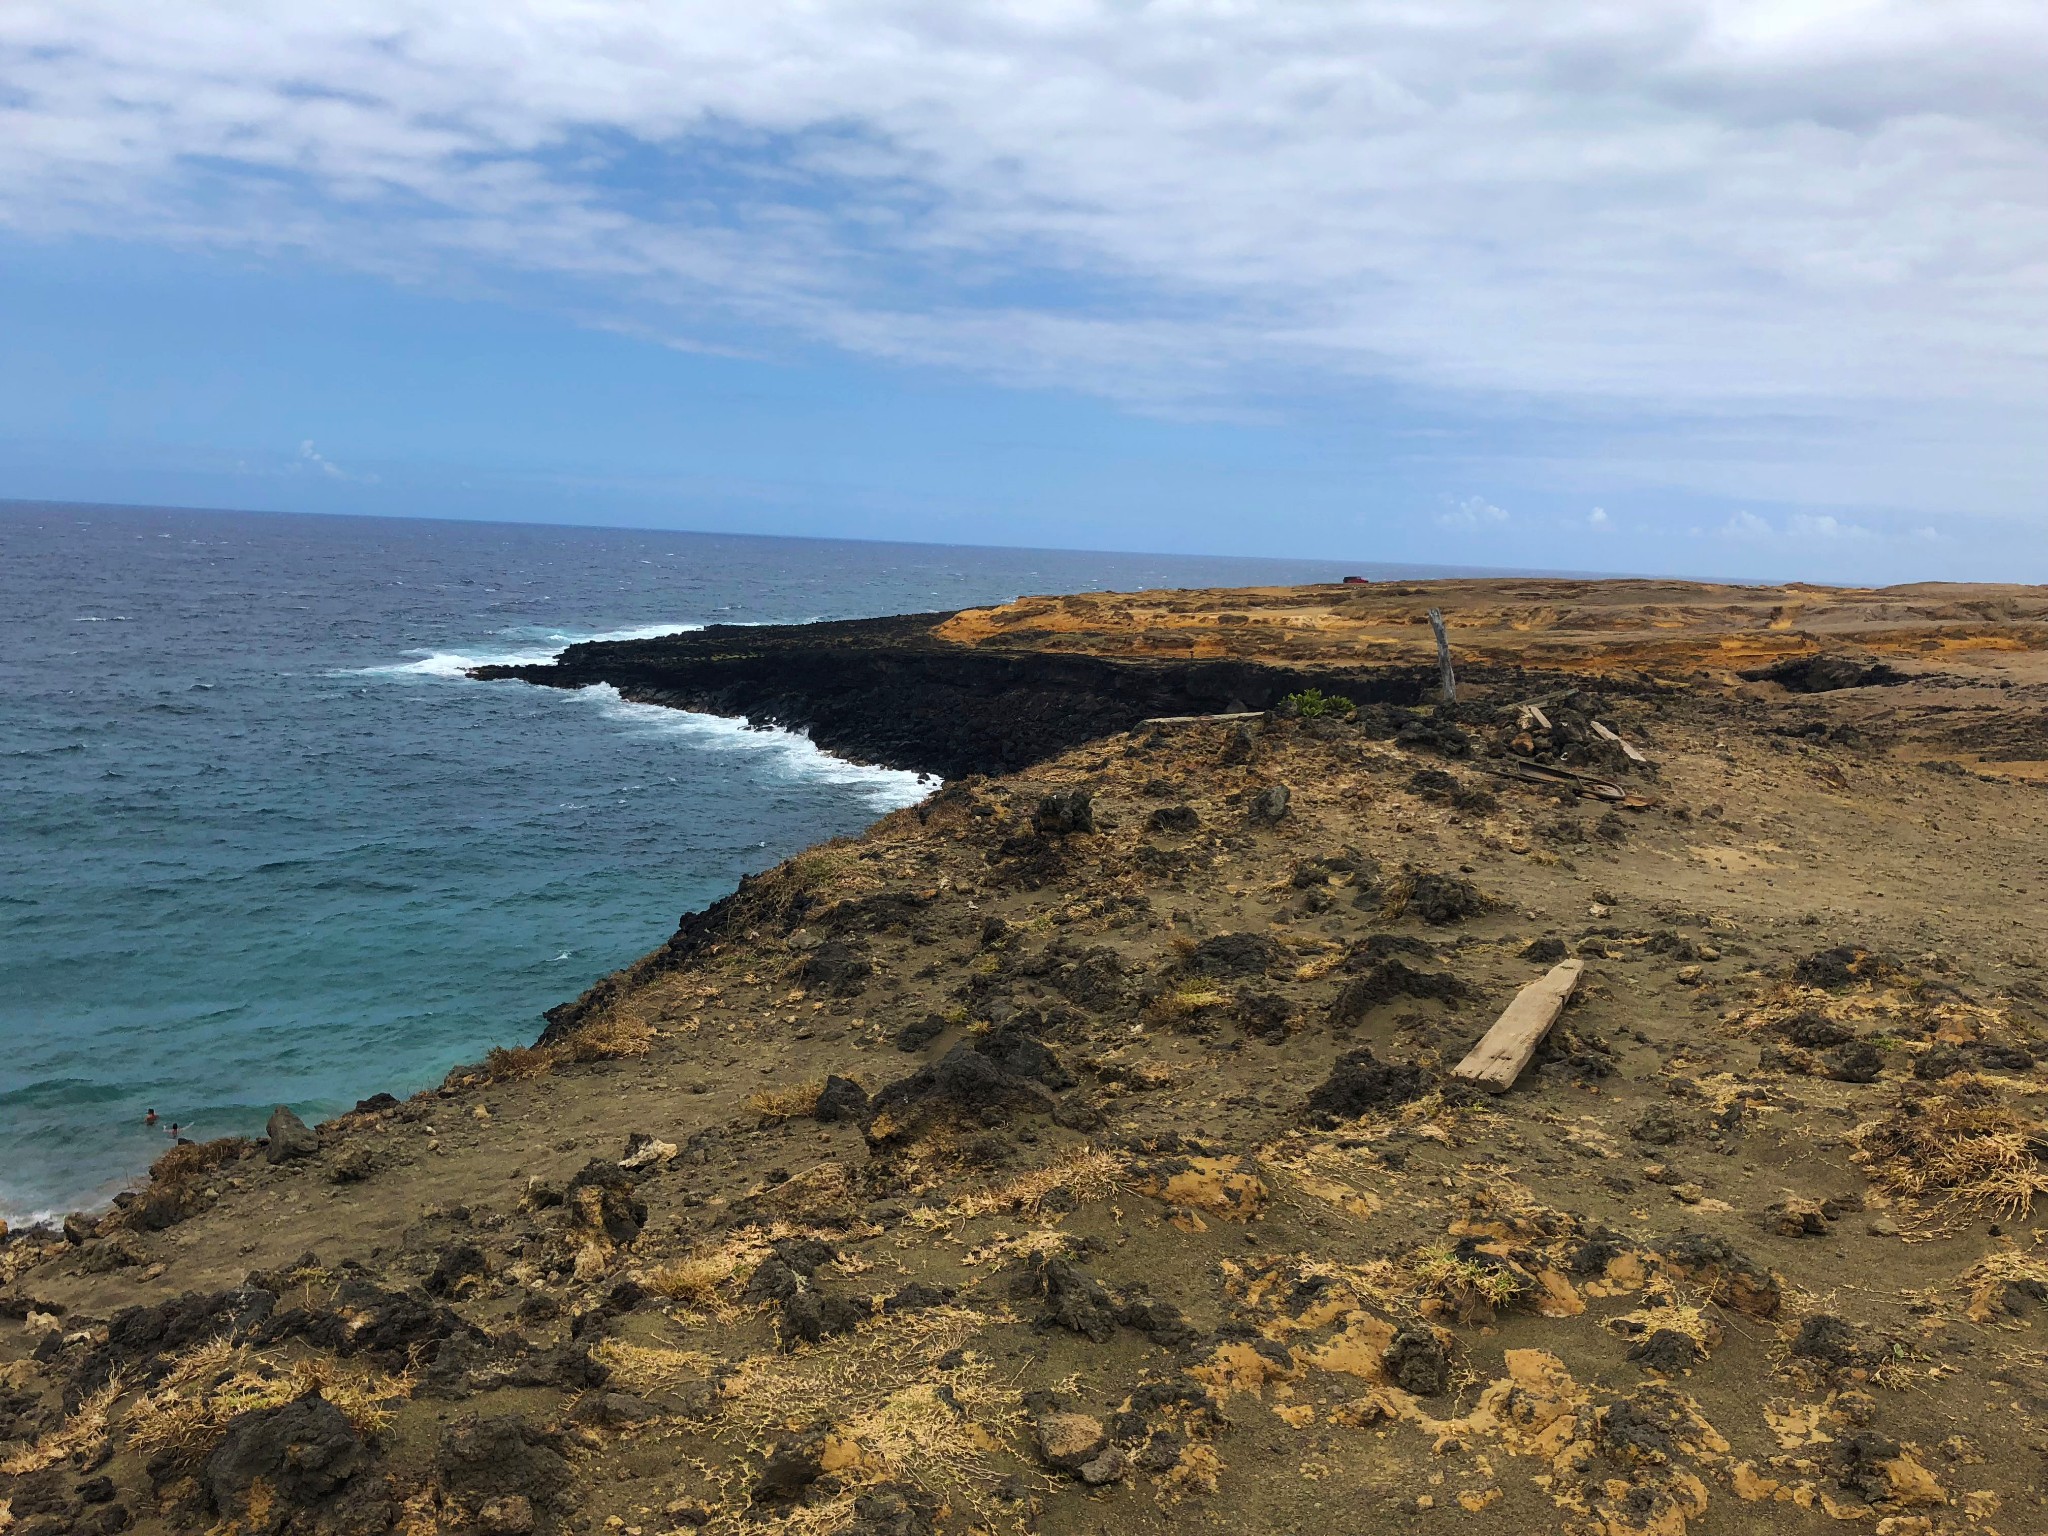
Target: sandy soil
(1079, 1151)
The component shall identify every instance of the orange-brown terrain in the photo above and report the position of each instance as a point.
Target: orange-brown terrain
(1081, 1150)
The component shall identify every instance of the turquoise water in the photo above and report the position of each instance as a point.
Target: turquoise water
(261, 842)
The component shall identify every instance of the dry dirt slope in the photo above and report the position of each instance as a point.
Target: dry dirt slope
(1090, 1165)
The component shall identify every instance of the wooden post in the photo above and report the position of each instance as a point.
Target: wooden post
(1443, 656)
(1497, 1060)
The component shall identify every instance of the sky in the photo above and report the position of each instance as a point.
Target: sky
(1709, 287)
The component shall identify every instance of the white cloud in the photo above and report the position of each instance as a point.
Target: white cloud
(1472, 513)
(1692, 205)
(1806, 525)
(1598, 518)
(312, 458)
(1746, 525)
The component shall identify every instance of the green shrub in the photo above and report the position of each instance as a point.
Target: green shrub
(1311, 702)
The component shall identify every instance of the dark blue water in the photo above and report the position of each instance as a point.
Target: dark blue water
(261, 842)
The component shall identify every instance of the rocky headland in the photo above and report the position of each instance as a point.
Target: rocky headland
(1083, 1149)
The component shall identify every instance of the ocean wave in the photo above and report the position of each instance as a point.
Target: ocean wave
(791, 754)
(542, 646)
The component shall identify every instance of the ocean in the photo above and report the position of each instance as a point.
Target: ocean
(262, 842)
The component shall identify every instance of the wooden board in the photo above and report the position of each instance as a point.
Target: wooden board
(1626, 750)
(1497, 1060)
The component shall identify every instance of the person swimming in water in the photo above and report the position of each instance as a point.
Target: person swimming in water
(150, 1118)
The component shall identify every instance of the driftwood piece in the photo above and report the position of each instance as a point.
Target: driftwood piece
(1553, 773)
(1497, 1060)
(1236, 714)
(1627, 751)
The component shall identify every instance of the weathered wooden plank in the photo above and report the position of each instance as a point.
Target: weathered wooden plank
(1497, 1060)
(1236, 714)
(1628, 751)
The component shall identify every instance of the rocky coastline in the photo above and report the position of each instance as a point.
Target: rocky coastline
(1085, 1148)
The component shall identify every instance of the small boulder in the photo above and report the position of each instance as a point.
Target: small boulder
(1794, 1217)
(1857, 1062)
(1270, 804)
(1828, 1339)
(300, 1452)
(1112, 1466)
(1359, 1083)
(1068, 1442)
(840, 1099)
(1064, 812)
(1174, 819)
(290, 1137)
(1417, 1361)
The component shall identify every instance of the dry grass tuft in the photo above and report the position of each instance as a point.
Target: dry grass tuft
(645, 1368)
(775, 1105)
(1959, 1153)
(1086, 1175)
(185, 1417)
(1187, 1000)
(695, 1279)
(84, 1430)
(616, 1035)
(893, 1413)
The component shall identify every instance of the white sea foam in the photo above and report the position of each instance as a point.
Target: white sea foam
(539, 648)
(789, 754)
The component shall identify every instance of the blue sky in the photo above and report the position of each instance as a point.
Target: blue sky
(1703, 286)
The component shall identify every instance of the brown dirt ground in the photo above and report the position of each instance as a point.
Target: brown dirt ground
(1588, 1304)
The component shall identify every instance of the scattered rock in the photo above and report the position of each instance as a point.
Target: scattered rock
(1069, 1441)
(919, 1033)
(354, 1163)
(963, 1082)
(601, 1198)
(1659, 1128)
(1228, 955)
(459, 1270)
(1666, 1350)
(794, 1463)
(1075, 1300)
(1826, 672)
(1727, 1275)
(1828, 1339)
(840, 1099)
(1177, 819)
(1544, 951)
(301, 1453)
(836, 968)
(1270, 804)
(1857, 1062)
(1417, 1361)
(1111, 1466)
(1794, 1217)
(1816, 1031)
(1063, 813)
(1359, 1084)
(1388, 980)
(1438, 899)
(289, 1137)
